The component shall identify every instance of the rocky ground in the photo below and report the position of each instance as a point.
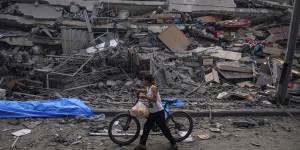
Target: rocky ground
(262, 133)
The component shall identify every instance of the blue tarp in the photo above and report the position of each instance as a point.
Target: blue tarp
(49, 108)
(176, 102)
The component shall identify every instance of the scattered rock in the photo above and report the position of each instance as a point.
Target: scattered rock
(263, 122)
(266, 103)
(217, 125)
(217, 130)
(100, 85)
(129, 83)
(243, 124)
(222, 95)
(14, 122)
(111, 83)
(32, 124)
(255, 144)
(204, 136)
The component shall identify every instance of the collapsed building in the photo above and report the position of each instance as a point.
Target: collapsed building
(203, 51)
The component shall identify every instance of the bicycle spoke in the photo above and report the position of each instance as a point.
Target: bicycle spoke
(179, 125)
(124, 129)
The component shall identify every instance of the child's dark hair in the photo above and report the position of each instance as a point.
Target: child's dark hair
(149, 78)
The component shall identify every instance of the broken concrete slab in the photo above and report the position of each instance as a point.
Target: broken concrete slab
(86, 4)
(134, 7)
(197, 5)
(174, 39)
(40, 11)
(21, 132)
(227, 55)
(235, 75)
(17, 41)
(207, 61)
(274, 51)
(274, 4)
(234, 66)
(20, 20)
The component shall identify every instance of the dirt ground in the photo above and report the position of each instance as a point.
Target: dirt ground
(269, 133)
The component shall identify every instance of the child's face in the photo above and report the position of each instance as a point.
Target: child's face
(146, 83)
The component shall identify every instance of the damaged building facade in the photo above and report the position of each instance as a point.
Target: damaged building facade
(203, 51)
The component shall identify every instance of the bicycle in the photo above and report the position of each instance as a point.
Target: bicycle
(128, 127)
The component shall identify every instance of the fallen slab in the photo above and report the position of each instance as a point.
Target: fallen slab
(174, 39)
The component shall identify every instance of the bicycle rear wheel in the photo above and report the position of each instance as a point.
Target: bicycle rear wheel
(124, 129)
(180, 125)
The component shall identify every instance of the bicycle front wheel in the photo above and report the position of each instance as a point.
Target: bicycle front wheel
(180, 125)
(124, 129)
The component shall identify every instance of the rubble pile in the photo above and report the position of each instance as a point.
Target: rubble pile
(228, 53)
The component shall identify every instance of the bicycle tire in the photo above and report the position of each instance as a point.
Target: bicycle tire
(110, 132)
(190, 120)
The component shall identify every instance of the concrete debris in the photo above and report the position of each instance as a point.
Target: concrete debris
(32, 124)
(217, 130)
(74, 40)
(21, 132)
(273, 51)
(246, 84)
(227, 55)
(102, 46)
(222, 95)
(2, 93)
(204, 136)
(280, 33)
(197, 5)
(200, 51)
(243, 124)
(213, 76)
(45, 11)
(234, 67)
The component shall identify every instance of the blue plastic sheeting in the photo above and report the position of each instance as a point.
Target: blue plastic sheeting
(175, 102)
(49, 108)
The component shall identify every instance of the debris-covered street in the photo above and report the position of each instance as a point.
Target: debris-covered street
(226, 60)
(267, 133)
